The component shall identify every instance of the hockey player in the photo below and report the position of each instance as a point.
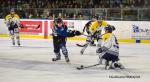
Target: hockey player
(12, 12)
(109, 49)
(88, 24)
(60, 34)
(86, 28)
(13, 23)
(95, 30)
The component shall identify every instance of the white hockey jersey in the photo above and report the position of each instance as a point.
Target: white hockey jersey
(110, 42)
(13, 21)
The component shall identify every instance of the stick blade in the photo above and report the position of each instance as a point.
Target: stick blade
(78, 68)
(81, 67)
(80, 45)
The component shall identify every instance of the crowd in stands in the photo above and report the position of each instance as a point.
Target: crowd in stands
(51, 8)
(74, 3)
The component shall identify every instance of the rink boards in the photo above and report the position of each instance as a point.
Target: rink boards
(126, 31)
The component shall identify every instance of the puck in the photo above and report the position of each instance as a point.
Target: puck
(81, 66)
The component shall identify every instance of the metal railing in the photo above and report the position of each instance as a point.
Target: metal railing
(123, 14)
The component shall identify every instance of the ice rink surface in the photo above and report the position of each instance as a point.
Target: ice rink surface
(32, 63)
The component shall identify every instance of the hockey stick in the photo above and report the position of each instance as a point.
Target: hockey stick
(85, 35)
(80, 45)
(83, 44)
(83, 67)
(86, 43)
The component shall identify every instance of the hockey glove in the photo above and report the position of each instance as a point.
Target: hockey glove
(102, 49)
(77, 33)
(73, 33)
(21, 26)
(99, 50)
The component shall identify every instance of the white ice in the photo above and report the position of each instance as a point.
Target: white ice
(32, 63)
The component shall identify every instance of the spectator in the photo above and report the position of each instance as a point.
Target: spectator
(30, 15)
(28, 8)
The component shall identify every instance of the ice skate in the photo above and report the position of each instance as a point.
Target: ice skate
(56, 59)
(67, 59)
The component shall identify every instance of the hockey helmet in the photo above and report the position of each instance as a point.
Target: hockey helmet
(59, 20)
(108, 29)
(12, 11)
(113, 28)
(95, 17)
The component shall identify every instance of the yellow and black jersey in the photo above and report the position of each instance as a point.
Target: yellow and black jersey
(106, 36)
(95, 25)
(9, 17)
(110, 42)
